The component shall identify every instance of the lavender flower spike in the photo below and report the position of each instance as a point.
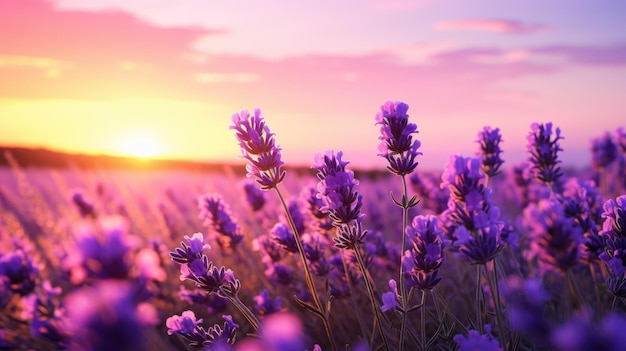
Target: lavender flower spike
(543, 152)
(397, 144)
(258, 147)
(489, 141)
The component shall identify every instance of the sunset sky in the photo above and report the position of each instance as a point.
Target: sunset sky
(163, 77)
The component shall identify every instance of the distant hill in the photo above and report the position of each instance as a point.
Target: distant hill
(45, 158)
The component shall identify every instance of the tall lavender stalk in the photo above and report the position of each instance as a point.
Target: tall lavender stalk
(264, 164)
(489, 140)
(337, 189)
(400, 150)
(543, 152)
(477, 221)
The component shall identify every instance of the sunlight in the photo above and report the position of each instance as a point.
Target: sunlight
(139, 144)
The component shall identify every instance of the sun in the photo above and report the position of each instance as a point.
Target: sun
(138, 144)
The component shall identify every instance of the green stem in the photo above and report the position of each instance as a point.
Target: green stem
(359, 314)
(423, 320)
(403, 298)
(495, 294)
(479, 298)
(245, 311)
(370, 290)
(320, 310)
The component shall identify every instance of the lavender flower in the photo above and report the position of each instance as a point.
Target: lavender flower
(83, 205)
(543, 151)
(103, 249)
(216, 213)
(583, 332)
(603, 151)
(258, 147)
(195, 266)
(397, 144)
(472, 217)
(280, 273)
(283, 236)
(475, 341)
(17, 273)
(390, 298)
(526, 305)
(614, 234)
(186, 323)
(254, 196)
(489, 141)
(321, 219)
(105, 317)
(427, 251)
(216, 337)
(337, 189)
(264, 303)
(554, 238)
(579, 200)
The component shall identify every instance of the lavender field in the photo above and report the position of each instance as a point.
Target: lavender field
(480, 255)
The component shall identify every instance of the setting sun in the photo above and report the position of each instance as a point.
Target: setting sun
(140, 145)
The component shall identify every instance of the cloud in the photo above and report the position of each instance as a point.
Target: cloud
(605, 55)
(51, 68)
(237, 77)
(490, 25)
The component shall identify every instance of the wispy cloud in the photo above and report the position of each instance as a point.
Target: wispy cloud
(490, 25)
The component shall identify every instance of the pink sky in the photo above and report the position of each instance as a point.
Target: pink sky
(107, 76)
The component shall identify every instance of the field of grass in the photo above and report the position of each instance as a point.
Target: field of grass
(89, 260)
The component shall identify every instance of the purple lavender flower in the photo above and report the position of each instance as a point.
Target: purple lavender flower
(254, 196)
(294, 207)
(472, 217)
(337, 189)
(489, 140)
(184, 324)
(475, 341)
(216, 337)
(104, 317)
(525, 307)
(397, 144)
(280, 273)
(427, 251)
(216, 213)
(282, 235)
(222, 337)
(83, 205)
(264, 303)
(603, 151)
(190, 252)
(315, 248)
(543, 151)
(271, 250)
(106, 243)
(195, 266)
(554, 238)
(17, 272)
(258, 147)
(582, 332)
(390, 298)
(426, 186)
(321, 219)
(614, 234)
(579, 200)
